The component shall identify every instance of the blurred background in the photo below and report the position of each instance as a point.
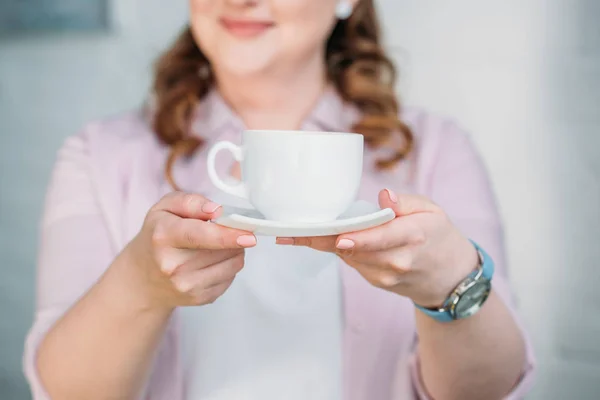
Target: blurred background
(522, 76)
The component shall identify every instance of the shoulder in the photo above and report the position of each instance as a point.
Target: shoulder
(103, 143)
(433, 129)
(119, 130)
(112, 142)
(94, 166)
(446, 158)
(106, 151)
(438, 139)
(442, 146)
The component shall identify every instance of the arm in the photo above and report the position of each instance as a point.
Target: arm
(485, 356)
(99, 320)
(481, 357)
(423, 254)
(103, 346)
(92, 335)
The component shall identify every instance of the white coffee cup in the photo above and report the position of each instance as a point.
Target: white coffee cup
(295, 176)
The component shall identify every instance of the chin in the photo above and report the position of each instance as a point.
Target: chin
(245, 68)
(245, 60)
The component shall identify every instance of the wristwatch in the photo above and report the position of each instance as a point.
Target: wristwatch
(470, 295)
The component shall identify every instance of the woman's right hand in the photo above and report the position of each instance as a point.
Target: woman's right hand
(180, 258)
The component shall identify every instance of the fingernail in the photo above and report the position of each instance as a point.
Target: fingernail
(345, 244)
(246, 241)
(210, 207)
(392, 196)
(285, 241)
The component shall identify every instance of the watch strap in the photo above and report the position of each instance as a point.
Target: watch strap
(487, 264)
(487, 272)
(442, 315)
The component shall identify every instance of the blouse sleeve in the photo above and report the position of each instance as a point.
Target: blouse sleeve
(75, 248)
(458, 182)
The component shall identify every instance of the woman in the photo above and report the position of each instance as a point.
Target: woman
(137, 297)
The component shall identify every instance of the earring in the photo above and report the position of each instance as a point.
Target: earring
(344, 9)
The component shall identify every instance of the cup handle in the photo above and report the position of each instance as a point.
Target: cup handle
(238, 190)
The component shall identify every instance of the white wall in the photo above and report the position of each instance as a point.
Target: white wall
(524, 77)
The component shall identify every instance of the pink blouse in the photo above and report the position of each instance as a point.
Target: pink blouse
(108, 176)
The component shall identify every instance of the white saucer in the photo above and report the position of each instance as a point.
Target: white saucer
(361, 215)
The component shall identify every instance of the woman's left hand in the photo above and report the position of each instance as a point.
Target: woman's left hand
(420, 254)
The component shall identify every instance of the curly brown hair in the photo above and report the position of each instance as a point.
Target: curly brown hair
(357, 66)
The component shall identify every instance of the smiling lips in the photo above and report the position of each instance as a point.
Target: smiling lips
(245, 28)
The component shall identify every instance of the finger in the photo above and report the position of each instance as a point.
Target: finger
(405, 231)
(189, 205)
(381, 276)
(205, 258)
(195, 234)
(396, 233)
(397, 261)
(208, 296)
(321, 243)
(208, 277)
(172, 259)
(405, 204)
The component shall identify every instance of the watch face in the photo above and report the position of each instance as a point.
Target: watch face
(472, 300)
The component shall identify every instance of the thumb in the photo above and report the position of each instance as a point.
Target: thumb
(405, 204)
(189, 205)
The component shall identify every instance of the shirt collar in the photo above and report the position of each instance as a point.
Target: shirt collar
(213, 118)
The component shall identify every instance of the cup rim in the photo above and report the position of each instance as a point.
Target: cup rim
(301, 133)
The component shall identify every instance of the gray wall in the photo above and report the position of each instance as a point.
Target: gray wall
(523, 77)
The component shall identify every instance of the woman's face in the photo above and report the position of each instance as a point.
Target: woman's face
(249, 37)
